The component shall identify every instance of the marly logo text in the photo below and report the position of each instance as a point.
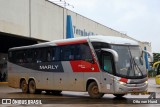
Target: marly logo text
(48, 67)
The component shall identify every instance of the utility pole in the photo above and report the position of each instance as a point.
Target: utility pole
(64, 4)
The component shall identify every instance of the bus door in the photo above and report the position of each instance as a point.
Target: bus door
(158, 74)
(107, 72)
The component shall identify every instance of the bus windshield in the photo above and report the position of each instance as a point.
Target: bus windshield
(131, 62)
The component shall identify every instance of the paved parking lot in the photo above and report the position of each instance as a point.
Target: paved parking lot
(78, 98)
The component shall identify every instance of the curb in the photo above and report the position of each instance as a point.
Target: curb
(3, 82)
(142, 93)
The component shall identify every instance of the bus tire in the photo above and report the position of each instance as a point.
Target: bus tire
(93, 90)
(32, 87)
(24, 86)
(118, 95)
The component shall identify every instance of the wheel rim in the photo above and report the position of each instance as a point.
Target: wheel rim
(32, 87)
(24, 86)
(95, 90)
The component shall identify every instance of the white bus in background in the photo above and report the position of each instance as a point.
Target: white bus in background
(97, 64)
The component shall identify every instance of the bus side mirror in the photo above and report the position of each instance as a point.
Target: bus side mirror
(150, 55)
(113, 52)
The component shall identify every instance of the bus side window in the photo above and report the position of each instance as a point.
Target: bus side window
(77, 52)
(49, 54)
(29, 56)
(107, 63)
(55, 53)
(11, 57)
(67, 53)
(43, 55)
(19, 56)
(37, 56)
(86, 52)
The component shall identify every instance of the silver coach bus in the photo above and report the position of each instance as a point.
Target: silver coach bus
(97, 64)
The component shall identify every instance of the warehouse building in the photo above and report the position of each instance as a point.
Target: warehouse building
(26, 22)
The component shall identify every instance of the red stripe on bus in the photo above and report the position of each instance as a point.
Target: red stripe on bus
(123, 80)
(71, 42)
(84, 66)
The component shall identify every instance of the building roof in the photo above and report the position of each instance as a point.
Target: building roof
(96, 38)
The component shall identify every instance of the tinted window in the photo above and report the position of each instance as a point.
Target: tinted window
(10, 56)
(37, 55)
(76, 52)
(55, 53)
(67, 53)
(99, 45)
(86, 52)
(28, 56)
(107, 63)
(47, 54)
(71, 52)
(19, 57)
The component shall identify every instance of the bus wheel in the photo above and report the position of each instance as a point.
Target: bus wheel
(56, 92)
(93, 90)
(24, 86)
(32, 87)
(118, 95)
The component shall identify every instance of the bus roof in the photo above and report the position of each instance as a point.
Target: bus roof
(113, 40)
(96, 38)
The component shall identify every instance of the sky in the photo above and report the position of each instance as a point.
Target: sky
(139, 19)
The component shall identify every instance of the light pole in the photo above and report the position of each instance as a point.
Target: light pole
(62, 3)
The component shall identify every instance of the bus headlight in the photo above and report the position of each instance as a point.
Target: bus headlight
(122, 83)
(146, 82)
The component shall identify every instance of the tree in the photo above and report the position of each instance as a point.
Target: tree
(156, 57)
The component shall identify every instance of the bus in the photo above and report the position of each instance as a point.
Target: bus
(95, 64)
(156, 67)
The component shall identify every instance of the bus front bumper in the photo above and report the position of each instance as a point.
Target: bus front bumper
(123, 88)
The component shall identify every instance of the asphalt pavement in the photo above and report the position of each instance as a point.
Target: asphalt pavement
(78, 98)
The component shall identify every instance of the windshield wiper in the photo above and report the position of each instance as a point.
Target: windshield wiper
(136, 65)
